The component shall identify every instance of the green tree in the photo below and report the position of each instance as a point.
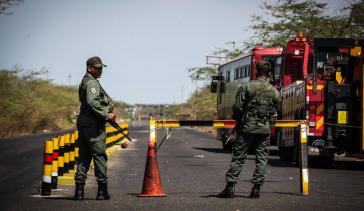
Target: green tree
(355, 24)
(205, 73)
(292, 16)
(6, 4)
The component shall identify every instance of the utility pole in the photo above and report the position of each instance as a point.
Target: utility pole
(69, 78)
(46, 71)
(233, 43)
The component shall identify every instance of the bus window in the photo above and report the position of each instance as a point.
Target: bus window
(236, 73)
(228, 76)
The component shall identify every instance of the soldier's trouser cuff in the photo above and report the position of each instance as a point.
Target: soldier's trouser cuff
(257, 182)
(80, 182)
(230, 181)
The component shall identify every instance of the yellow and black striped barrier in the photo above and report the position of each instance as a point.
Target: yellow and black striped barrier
(66, 153)
(61, 155)
(302, 124)
(72, 151)
(76, 147)
(55, 162)
(47, 168)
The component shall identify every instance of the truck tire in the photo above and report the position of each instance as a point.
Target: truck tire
(286, 153)
(324, 161)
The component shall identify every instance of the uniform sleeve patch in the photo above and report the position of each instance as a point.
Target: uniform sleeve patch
(93, 90)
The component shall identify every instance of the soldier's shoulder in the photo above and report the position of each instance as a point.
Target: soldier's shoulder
(276, 92)
(255, 84)
(92, 81)
(251, 82)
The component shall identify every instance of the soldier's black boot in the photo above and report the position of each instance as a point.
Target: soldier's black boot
(79, 192)
(255, 191)
(102, 193)
(228, 191)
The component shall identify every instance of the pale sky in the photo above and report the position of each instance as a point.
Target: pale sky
(147, 44)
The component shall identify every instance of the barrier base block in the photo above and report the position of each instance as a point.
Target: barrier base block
(66, 180)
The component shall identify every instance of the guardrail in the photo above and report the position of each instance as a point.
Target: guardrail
(152, 186)
(61, 154)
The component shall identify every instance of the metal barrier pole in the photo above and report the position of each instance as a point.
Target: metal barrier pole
(304, 159)
(302, 124)
(152, 132)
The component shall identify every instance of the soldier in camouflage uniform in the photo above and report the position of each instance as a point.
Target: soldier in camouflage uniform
(95, 110)
(255, 104)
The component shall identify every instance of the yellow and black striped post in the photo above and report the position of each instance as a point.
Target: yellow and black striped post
(72, 152)
(302, 124)
(61, 156)
(55, 163)
(66, 153)
(304, 160)
(47, 168)
(76, 146)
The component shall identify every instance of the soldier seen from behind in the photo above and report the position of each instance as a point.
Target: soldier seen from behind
(255, 104)
(95, 110)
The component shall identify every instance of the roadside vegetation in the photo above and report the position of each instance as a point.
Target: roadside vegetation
(202, 104)
(31, 105)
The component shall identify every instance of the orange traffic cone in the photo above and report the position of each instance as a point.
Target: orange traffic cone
(152, 186)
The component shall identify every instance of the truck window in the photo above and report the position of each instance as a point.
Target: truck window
(329, 61)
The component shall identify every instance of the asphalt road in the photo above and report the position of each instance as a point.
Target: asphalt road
(192, 167)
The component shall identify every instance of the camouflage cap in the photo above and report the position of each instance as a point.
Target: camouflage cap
(95, 62)
(264, 66)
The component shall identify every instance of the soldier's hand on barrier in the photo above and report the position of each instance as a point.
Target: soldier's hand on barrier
(111, 116)
(124, 145)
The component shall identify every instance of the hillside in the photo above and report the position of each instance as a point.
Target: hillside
(202, 104)
(32, 105)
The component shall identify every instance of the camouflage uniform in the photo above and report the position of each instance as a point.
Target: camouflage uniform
(256, 102)
(95, 106)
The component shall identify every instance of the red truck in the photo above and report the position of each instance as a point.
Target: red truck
(321, 80)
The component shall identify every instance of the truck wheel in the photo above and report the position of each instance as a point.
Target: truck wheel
(324, 161)
(286, 153)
